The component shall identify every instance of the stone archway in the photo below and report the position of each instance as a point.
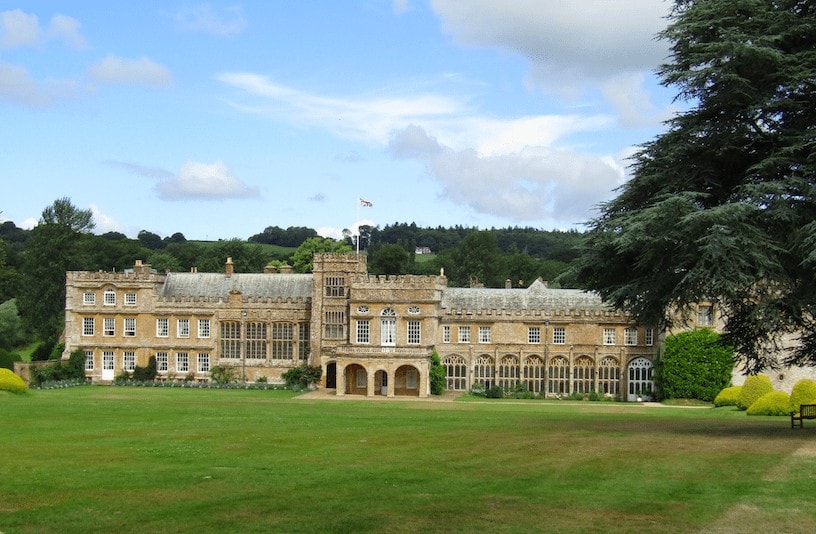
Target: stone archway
(356, 379)
(407, 381)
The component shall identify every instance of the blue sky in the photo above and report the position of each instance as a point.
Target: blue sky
(217, 120)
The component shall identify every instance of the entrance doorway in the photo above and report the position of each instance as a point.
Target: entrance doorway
(331, 376)
(641, 385)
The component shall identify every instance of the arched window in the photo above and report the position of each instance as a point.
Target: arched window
(608, 376)
(508, 372)
(640, 379)
(455, 372)
(534, 374)
(558, 370)
(583, 375)
(484, 371)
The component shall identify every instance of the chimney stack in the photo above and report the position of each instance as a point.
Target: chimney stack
(229, 267)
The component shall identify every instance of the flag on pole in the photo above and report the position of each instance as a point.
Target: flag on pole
(365, 203)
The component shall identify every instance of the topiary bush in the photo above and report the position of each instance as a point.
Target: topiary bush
(754, 387)
(804, 392)
(773, 403)
(694, 365)
(728, 396)
(11, 382)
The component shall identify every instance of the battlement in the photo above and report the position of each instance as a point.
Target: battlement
(302, 301)
(548, 313)
(413, 280)
(107, 276)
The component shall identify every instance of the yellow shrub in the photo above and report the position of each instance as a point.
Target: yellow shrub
(754, 387)
(11, 382)
(728, 396)
(774, 403)
(804, 392)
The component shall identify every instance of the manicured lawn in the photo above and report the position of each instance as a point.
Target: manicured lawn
(113, 459)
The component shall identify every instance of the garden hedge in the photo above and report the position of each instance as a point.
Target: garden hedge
(694, 365)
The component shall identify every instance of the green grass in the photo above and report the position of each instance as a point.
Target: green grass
(114, 459)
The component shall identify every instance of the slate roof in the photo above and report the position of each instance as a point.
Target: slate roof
(536, 297)
(251, 285)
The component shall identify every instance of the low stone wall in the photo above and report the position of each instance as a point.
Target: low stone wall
(24, 369)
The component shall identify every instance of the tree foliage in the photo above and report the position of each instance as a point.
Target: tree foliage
(694, 365)
(11, 328)
(53, 249)
(304, 254)
(722, 205)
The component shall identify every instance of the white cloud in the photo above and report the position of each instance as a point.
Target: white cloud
(515, 168)
(18, 87)
(563, 40)
(104, 223)
(375, 119)
(66, 28)
(574, 46)
(532, 184)
(204, 181)
(368, 119)
(194, 181)
(142, 71)
(203, 18)
(18, 28)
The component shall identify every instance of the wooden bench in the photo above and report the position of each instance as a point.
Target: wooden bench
(806, 411)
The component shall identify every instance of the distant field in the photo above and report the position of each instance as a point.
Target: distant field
(114, 459)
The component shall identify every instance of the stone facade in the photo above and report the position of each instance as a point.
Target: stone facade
(371, 335)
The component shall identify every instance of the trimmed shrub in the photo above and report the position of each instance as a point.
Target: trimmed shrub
(754, 387)
(804, 392)
(728, 396)
(773, 403)
(694, 365)
(11, 382)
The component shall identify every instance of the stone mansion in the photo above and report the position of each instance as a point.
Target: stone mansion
(371, 335)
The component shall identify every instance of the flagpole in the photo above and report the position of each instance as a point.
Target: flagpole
(358, 226)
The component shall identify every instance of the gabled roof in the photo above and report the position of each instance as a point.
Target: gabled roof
(536, 297)
(251, 285)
